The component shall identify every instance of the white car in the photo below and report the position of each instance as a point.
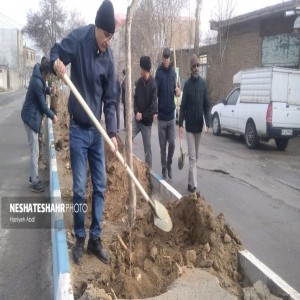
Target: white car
(256, 121)
(265, 106)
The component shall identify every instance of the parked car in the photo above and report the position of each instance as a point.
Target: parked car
(266, 105)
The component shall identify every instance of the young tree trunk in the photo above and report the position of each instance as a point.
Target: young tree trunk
(128, 141)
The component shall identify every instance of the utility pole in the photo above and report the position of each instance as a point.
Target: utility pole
(197, 27)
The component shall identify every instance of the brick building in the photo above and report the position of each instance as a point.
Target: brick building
(264, 37)
(179, 34)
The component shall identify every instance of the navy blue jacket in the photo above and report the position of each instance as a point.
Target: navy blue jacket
(194, 105)
(35, 106)
(93, 74)
(166, 85)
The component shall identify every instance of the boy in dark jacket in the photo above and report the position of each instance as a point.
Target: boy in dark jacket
(194, 109)
(32, 114)
(145, 106)
(166, 90)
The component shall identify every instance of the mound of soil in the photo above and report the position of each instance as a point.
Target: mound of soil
(144, 259)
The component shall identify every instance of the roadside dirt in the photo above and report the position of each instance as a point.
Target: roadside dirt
(145, 260)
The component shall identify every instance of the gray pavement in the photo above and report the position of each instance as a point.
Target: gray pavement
(195, 284)
(25, 254)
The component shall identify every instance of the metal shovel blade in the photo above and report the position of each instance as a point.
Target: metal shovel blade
(181, 159)
(162, 218)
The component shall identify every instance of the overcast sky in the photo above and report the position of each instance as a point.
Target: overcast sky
(17, 9)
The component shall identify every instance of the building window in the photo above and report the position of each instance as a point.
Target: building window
(203, 59)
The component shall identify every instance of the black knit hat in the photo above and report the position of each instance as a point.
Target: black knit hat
(105, 18)
(45, 66)
(145, 63)
(167, 53)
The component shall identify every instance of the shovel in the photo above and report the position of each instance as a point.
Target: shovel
(181, 156)
(161, 216)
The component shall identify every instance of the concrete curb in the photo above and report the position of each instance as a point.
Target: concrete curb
(62, 288)
(251, 267)
(255, 270)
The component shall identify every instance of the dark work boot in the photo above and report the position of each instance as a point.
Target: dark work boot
(78, 250)
(170, 173)
(95, 247)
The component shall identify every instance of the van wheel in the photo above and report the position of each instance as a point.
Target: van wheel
(216, 127)
(281, 144)
(251, 137)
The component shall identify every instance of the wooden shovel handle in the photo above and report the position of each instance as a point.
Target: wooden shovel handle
(107, 138)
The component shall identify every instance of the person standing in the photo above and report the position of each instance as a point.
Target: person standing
(123, 91)
(93, 73)
(118, 96)
(145, 107)
(194, 109)
(32, 115)
(42, 164)
(166, 90)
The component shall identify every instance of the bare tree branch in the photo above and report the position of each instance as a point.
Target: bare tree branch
(47, 25)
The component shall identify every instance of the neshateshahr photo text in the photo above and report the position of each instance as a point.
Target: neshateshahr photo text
(34, 212)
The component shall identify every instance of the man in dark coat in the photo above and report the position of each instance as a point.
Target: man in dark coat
(32, 114)
(166, 90)
(88, 51)
(145, 106)
(194, 109)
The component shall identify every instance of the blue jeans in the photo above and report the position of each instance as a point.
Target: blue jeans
(87, 144)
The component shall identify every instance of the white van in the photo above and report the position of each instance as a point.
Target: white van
(265, 105)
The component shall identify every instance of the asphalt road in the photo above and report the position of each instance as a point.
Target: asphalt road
(25, 254)
(257, 190)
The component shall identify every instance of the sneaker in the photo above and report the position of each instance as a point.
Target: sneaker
(95, 247)
(37, 187)
(78, 250)
(170, 173)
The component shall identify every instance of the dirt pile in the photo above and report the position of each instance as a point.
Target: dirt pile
(198, 239)
(146, 260)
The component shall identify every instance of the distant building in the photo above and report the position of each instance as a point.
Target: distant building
(3, 77)
(29, 56)
(260, 38)
(15, 60)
